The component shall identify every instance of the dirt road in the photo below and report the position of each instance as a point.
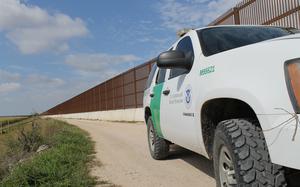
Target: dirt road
(123, 151)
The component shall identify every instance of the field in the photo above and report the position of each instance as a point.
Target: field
(11, 117)
(65, 161)
(9, 120)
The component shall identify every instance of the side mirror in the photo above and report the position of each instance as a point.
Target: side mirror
(174, 59)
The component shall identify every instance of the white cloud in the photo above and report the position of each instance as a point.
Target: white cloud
(98, 62)
(12, 82)
(33, 92)
(177, 14)
(8, 76)
(9, 87)
(41, 80)
(35, 30)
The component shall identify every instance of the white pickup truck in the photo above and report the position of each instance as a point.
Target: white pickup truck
(232, 94)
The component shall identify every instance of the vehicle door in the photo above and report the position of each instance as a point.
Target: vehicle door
(149, 86)
(177, 106)
(155, 104)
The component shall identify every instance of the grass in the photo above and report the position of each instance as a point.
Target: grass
(11, 135)
(11, 119)
(65, 163)
(7, 122)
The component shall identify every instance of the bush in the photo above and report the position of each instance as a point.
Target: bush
(64, 164)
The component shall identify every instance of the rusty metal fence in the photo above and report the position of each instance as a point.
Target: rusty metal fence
(284, 13)
(121, 92)
(126, 90)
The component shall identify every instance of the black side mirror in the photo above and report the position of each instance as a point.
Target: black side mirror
(173, 59)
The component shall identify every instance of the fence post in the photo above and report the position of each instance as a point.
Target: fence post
(135, 91)
(236, 13)
(1, 127)
(123, 88)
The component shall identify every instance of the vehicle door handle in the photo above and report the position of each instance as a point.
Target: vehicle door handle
(152, 95)
(166, 92)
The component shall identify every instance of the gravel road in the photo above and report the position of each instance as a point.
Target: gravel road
(123, 151)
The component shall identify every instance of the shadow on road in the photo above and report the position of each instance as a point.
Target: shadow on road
(194, 159)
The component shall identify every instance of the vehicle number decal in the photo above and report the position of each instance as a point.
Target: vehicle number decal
(207, 70)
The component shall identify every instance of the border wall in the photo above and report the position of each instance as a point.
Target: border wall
(263, 12)
(121, 98)
(118, 99)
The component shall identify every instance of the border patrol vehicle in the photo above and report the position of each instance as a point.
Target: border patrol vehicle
(232, 94)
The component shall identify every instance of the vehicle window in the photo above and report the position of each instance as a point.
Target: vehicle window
(161, 76)
(220, 39)
(151, 75)
(186, 46)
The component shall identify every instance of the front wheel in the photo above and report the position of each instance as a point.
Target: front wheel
(159, 147)
(241, 156)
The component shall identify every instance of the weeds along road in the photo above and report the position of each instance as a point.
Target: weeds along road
(123, 151)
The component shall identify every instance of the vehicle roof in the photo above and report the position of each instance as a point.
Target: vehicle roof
(220, 26)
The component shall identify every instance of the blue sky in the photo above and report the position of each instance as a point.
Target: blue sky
(51, 50)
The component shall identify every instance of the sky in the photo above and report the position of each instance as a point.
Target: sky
(52, 50)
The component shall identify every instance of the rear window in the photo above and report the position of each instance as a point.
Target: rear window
(151, 75)
(220, 39)
(161, 75)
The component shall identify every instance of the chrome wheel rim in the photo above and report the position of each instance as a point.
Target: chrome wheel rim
(226, 168)
(151, 137)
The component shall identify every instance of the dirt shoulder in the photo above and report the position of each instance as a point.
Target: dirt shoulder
(123, 151)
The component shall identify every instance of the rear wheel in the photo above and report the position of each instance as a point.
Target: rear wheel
(159, 147)
(241, 156)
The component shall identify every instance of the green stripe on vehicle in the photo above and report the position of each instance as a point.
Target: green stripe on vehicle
(155, 108)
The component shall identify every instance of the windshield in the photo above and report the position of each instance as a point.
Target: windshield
(219, 39)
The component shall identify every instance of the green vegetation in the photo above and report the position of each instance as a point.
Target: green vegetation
(65, 163)
(11, 119)
(7, 124)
